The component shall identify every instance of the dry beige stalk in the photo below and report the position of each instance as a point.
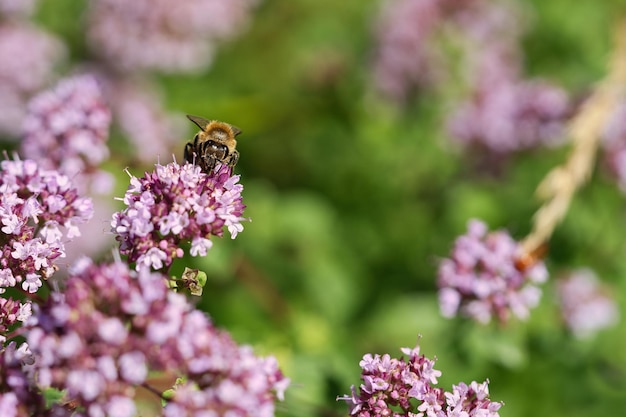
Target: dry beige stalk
(585, 129)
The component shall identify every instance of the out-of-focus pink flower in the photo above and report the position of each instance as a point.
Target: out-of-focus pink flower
(111, 327)
(154, 35)
(411, 35)
(585, 306)
(27, 58)
(504, 111)
(95, 238)
(67, 128)
(511, 115)
(17, 8)
(138, 110)
(406, 55)
(18, 396)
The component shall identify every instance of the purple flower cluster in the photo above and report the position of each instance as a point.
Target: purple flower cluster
(111, 327)
(12, 312)
(405, 388)
(152, 35)
(39, 209)
(504, 112)
(585, 306)
(511, 115)
(173, 205)
(228, 377)
(27, 58)
(410, 35)
(66, 128)
(481, 279)
(18, 397)
(16, 8)
(406, 55)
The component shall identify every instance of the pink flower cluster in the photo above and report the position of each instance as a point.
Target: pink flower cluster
(13, 313)
(175, 205)
(111, 327)
(481, 280)
(67, 128)
(585, 306)
(410, 35)
(39, 209)
(406, 56)
(27, 58)
(503, 112)
(152, 35)
(511, 115)
(16, 8)
(18, 396)
(406, 388)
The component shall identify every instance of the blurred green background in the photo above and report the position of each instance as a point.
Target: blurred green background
(354, 199)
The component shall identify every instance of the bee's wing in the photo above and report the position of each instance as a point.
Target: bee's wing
(201, 122)
(236, 130)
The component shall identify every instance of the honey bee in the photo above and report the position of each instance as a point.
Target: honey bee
(214, 144)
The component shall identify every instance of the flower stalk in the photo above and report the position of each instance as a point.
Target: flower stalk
(561, 183)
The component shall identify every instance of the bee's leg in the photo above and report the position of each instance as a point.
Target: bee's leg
(234, 157)
(208, 163)
(189, 155)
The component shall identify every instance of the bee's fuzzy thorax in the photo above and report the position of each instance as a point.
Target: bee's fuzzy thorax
(216, 124)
